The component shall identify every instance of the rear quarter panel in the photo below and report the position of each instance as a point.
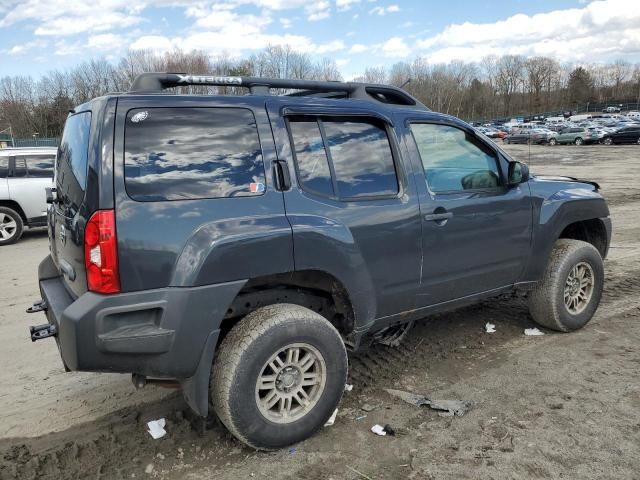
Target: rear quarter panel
(199, 241)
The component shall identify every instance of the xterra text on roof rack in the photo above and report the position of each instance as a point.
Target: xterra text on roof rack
(242, 244)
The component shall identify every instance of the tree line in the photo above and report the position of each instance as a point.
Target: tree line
(493, 87)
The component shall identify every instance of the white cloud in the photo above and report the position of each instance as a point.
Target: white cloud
(285, 22)
(395, 47)
(602, 30)
(344, 5)
(358, 48)
(318, 10)
(105, 41)
(23, 48)
(341, 62)
(384, 10)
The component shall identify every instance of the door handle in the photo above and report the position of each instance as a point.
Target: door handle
(438, 217)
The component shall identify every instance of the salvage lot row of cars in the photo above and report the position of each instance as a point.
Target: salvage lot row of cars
(604, 130)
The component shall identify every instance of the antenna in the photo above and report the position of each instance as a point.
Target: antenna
(406, 82)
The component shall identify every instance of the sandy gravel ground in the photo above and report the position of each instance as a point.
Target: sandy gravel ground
(555, 406)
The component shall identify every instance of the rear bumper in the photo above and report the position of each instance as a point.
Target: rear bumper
(160, 333)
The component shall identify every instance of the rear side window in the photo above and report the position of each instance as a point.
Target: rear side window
(71, 164)
(4, 167)
(188, 153)
(38, 166)
(357, 153)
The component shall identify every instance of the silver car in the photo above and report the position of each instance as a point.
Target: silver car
(24, 175)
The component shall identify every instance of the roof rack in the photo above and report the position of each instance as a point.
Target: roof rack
(156, 82)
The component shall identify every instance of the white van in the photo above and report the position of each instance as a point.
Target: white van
(633, 114)
(24, 175)
(555, 120)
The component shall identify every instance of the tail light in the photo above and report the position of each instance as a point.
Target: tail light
(101, 253)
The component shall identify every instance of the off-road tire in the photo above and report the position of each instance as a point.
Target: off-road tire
(546, 301)
(240, 360)
(19, 228)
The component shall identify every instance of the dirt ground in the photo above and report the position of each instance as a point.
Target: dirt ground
(554, 406)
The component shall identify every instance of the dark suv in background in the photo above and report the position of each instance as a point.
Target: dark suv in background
(242, 244)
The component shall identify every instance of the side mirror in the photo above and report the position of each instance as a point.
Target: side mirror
(50, 194)
(518, 173)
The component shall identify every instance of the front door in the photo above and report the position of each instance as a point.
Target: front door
(476, 230)
(30, 176)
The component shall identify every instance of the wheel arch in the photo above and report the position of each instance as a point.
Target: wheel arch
(13, 205)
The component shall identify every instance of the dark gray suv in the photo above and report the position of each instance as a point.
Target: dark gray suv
(241, 245)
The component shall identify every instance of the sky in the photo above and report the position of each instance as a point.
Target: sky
(37, 36)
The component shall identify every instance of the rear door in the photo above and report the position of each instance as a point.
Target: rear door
(31, 174)
(69, 214)
(352, 209)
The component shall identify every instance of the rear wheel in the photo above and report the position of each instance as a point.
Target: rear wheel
(553, 141)
(607, 141)
(11, 226)
(569, 293)
(578, 141)
(506, 140)
(278, 376)
(638, 141)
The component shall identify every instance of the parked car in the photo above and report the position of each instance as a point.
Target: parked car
(24, 175)
(534, 135)
(575, 135)
(611, 109)
(634, 115)
(629, 134)
(239, 245)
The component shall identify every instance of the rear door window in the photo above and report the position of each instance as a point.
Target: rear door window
(362, 159)
(4, 167)
(189, 153)
(348, 159)
(71, 163)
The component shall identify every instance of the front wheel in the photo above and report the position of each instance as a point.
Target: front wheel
(569, 293)
(553, 141)
(578, 141)
(278, 376)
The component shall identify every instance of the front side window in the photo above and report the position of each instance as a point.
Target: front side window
(188, 153)
(452, 161)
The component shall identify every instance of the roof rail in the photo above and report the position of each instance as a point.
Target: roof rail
(156, 82)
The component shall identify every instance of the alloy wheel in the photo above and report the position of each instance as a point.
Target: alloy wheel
(290, 383)
(8, 226)
(578, 288)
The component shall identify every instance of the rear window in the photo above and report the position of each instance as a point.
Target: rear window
(71, 164)
(189, 153)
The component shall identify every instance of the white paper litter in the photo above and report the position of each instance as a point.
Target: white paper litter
(532, 332)
(490, 328)
(348, 387)
(332, 418)
(156, 428)
(378, 430)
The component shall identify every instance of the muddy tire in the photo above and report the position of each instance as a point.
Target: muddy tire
(11, 226)
(569, 293)
(278, 376)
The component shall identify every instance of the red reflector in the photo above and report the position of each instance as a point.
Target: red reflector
(101, 253)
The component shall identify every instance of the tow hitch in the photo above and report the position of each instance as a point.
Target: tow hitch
(42, 331)
(37, 307)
